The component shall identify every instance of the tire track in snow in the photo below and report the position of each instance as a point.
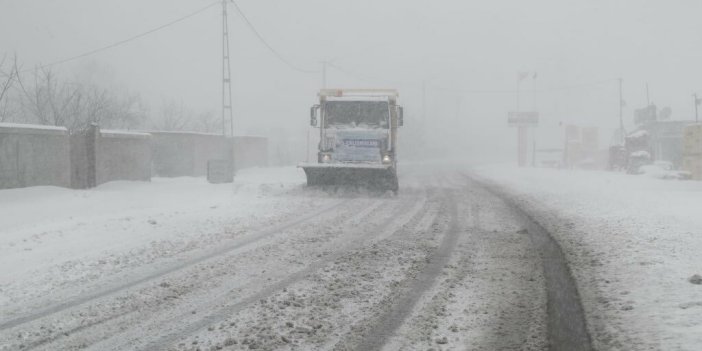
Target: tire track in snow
(567, 326)
(387, 323)
(404, 214)
(248, 324)
(81, 300)
(124, 330)
(116, 317)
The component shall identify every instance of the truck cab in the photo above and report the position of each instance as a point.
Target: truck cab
(358, 138)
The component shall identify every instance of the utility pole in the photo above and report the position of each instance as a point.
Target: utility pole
(533, 105)
(648, 97)
(697, 103)
(226, 76)
(519, 81)
(621, 115)
(533, 91)
(424, 101)
(324, 74)
(533, 150)
(522, 131)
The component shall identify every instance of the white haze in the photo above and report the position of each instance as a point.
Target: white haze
(459, 47)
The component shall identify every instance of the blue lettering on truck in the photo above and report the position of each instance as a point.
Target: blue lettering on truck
(374, 143)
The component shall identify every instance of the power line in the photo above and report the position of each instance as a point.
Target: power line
(122, 42)
(578, 86)
(267, 45)
(471, 91)
(368, 79)
(514, 91)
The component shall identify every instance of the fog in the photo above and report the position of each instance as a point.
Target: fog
(467, 53)
(494, 204)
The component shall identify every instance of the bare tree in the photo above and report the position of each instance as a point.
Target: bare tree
(48, 100)
(7, 79)
(208, 122)
(125, 111)
(75, 105)
(175, 116)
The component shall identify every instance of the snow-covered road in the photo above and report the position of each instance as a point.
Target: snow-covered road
(268, 264)
(633, 244)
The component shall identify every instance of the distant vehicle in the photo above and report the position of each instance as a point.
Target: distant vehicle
(638, 148)
(617, 158)
(358, 138)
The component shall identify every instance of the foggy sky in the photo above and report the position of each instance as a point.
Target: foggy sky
(460, 47)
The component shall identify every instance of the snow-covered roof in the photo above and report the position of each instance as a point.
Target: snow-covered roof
(31, 128)
(250, 136)
(112, 133)
(358, 98)
(388, 93)
(638, 134)
(641, 153)
(182, 132)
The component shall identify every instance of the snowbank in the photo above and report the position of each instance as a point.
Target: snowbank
(30, 127)
(633, 243)
(52, 236)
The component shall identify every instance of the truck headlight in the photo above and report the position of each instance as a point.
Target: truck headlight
(387, 159)
(326, 158)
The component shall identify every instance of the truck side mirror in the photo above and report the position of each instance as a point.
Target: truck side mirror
(313, 115)
(400, 116)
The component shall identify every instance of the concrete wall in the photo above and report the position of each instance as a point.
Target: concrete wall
(32, 155)
(40, 155)
(83, 159)
(250, 151)
(177, 154)
(121, 155)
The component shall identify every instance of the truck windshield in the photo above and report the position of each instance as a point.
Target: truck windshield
(369, 114)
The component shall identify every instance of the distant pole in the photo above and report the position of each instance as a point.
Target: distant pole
(226, 75)
(518, 85)
(533, 151)
(697, 102)
(648, 96)
(533, 134)
(621, 112)
(522, 131)
(324, 74)
(522, 145)
(533, 91)
(424, 101)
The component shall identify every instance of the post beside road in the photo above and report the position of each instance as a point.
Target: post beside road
(523, 121)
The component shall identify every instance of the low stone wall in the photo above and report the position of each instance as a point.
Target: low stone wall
(250, 151)
(177, 154)
(121, 155)
(32, 155)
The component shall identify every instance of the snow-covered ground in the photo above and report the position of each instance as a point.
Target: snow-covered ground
(633, 243)
(85, 236)
(267, 263)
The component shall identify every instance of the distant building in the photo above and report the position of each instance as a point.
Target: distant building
(665, 140)
(582, 147)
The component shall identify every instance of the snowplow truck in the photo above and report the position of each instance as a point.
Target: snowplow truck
(358, 139)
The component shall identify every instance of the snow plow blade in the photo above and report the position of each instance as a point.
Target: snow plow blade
(375, 177)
